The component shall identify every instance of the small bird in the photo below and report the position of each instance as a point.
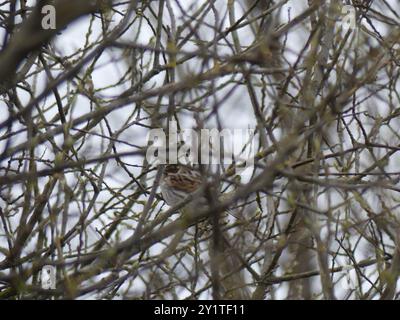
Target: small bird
(177, 182)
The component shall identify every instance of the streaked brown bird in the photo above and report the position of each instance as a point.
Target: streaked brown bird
(177, 182)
